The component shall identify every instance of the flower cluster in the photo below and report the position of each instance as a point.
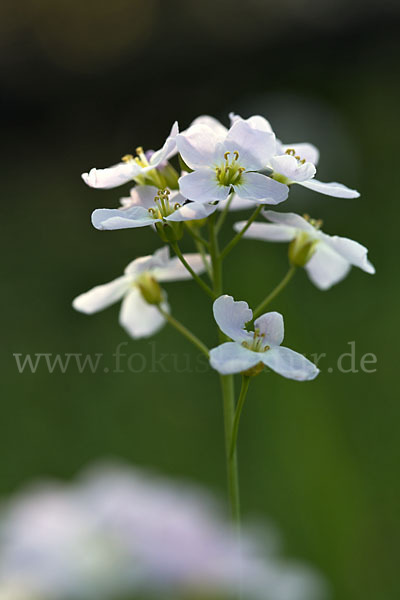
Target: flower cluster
(217, 170)
(188, 188)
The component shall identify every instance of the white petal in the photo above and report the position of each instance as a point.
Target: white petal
(267, 232)
(159, 259)
(263, 189)
(232, 316)
(237, 203)
(168, 150)
(309, 152)
(192, 211)
(102, 296)
(289, 363)
(112, 176)
(350, 250)
(139, 318)
(140, 195)
(200, 146)
(290, 220)
(270, 325)
(232, 357)
(338, 190)
(326, 267)
(202, 186)
(291, 168)
(116, 218)
(174, 270)
(256, 122)
(255, 147)
(213, 124)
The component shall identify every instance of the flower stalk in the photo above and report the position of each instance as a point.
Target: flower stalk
(275, 292)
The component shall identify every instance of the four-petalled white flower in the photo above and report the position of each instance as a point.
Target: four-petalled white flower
(331, 256)
(146, 206)
(138, 318)
(296, 163)
(249, 349)
(132, 167)
(223, 162)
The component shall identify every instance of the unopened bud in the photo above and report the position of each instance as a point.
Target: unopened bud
(171, 231)
(301, 249)
(170, 176)
(150, 288)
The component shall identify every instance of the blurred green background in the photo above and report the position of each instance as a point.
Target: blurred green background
(84, 83)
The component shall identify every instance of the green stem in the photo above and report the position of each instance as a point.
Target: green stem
(183, 260)
(200, 244)
(228, 399)
(227, 387)
(241, 233)
(196, 236)
(275, 292)
(215, 256)
(224, 213)
(184, 331)
(238, 412)
(204, 258)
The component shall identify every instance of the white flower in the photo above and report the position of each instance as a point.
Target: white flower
(223, 162)
(146, 206)
(139, 318)
(132, 167)
(296, 163)
(293, 167)
(258, 348)
(331, 257)
(120, 532)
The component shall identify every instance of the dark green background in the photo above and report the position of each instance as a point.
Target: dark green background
(80, 89)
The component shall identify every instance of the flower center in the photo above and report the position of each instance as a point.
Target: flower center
(230, 172)
(316, 223)
(163, 206)
(257, 344)
(292, 152)
(139, 159)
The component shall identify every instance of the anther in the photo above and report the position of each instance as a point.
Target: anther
(127, 157)
(226, 155)
(236, 155)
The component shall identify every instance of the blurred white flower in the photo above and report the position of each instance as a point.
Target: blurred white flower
(249, 351)
(328, 258)
(146, 206)
(223, 161)
(138, 317)
(117, 531)
(133, 167)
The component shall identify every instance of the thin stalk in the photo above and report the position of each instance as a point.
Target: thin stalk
(195, 235)
(227, 387)
(215, 256)
(228, 399)
(238, 412)
(275, 292)
(198, 279)
(224, 214)
(184, 331)
(241, 233)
